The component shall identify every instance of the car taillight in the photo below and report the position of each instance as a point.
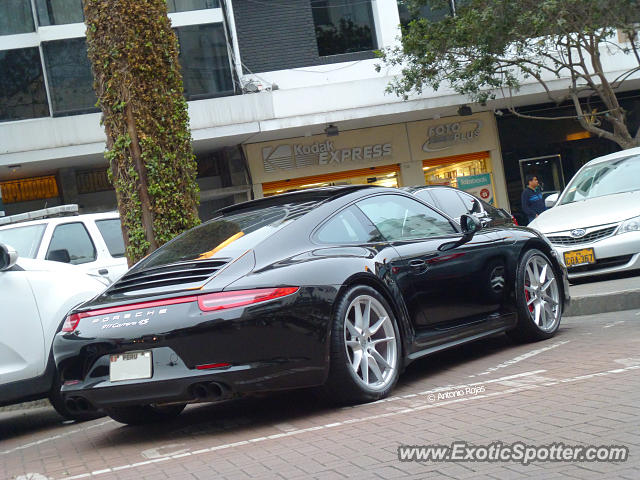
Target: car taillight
(71, 322)
(240, 298)
(513, 219)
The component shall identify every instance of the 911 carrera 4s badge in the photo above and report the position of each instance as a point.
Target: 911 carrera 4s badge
(140, 318)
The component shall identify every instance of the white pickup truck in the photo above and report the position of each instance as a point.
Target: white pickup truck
(91, 242)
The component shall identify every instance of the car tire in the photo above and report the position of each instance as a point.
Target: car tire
(58, 403)
(538, 297)
(143, 414)
(364, 334)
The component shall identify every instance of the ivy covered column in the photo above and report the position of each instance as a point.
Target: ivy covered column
(134, 55)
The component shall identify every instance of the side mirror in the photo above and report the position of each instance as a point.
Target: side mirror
(551, 200)
(61, 255)
(470, 226)
(8, 257)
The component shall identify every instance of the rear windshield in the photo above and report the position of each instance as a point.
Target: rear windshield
(227, 236)
(25, 240)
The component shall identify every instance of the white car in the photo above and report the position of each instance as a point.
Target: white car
(35, 296)
(91, 242)
(595, 222)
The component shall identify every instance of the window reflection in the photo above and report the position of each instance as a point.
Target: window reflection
(425, 11)
(22, 85)
(186, 5)
(69, 76)
(15, 17)
(343, 26)
(59, 12)
(204, 60)
(401, 218)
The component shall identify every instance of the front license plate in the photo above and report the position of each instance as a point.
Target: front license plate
(579, 257)
(130, 366)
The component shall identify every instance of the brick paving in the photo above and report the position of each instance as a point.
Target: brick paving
(550, 395)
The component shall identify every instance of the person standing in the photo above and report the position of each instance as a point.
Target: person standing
(532, 200)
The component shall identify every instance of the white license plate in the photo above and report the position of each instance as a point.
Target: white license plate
(130, 366)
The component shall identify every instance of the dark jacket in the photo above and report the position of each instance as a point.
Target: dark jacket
(532, 203)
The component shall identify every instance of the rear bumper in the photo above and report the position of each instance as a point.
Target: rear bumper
(174, 382)
(279, 344)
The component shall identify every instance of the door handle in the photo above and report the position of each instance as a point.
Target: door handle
(418, 264)
(103, 271)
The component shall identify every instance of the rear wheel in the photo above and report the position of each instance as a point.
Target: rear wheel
(143, 414)
(538, 295)
(365, 347)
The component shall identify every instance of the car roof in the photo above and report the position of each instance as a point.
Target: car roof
(311, 195)
(63, 219)
(613, 156)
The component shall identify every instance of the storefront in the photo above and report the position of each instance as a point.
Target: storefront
(461, 152)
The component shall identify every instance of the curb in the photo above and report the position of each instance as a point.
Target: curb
(610, 302)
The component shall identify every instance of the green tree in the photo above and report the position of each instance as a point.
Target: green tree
(134, 56)
(485, 49)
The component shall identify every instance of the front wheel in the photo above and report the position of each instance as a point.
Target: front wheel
(538, 295)
(365, 347)
(143, 414)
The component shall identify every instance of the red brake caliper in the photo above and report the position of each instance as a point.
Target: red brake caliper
(527, 296)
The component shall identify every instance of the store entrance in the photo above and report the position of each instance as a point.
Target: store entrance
(384, 176)
(470, 172)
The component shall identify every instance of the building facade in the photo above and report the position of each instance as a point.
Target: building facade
(282, 94)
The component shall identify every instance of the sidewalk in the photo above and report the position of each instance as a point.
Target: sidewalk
(607, 295)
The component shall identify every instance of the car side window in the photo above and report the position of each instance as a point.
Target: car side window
(425, 196)
(449, 202)
(402, 218)
(348, 226)
(72, 239)
(111, 232)
(469, 202)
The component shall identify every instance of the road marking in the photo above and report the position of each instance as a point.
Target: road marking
(619, 322)
(361, 420)
(32, 476)
(628, 362)
(520, 358)
(55, 437)
(156, 452)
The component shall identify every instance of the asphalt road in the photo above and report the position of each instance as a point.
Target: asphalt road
(582, 387)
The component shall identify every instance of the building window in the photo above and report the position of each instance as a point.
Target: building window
(69, 76)
(343, 26)
(22, 85)
(204, 60)
(425, 11)
(186, 5)
(15, 17)
(59, 12)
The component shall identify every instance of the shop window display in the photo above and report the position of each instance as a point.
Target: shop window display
(447, 174)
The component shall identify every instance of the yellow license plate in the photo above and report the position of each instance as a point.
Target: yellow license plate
(579, 257)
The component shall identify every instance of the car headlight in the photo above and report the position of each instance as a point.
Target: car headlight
(631, 225)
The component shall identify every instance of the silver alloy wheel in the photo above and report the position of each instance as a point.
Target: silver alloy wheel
(542, 293)
(370, 342)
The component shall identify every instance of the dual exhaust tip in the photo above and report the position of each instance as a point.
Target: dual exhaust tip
(204, 391)
(78, 405)
(208, 391)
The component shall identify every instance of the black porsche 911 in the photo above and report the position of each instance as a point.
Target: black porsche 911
(339, 287)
